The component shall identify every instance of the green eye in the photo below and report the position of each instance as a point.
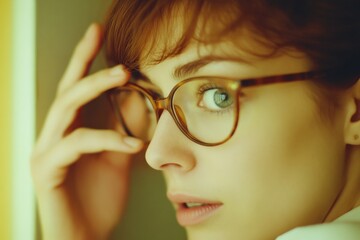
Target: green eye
(216, 99)
(222, 99)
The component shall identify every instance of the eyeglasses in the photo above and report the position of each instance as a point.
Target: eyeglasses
(205, 109)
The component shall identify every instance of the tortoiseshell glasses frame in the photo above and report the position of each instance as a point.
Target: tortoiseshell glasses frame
(160, 103)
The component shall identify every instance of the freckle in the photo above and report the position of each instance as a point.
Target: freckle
(356, 137)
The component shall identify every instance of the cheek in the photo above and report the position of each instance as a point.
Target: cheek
(282, 162)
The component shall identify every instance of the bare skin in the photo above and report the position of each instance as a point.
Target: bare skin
(79, 179)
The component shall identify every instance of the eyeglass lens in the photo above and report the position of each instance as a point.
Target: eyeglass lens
(205, 109)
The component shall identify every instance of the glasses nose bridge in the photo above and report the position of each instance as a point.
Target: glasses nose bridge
(161, 105)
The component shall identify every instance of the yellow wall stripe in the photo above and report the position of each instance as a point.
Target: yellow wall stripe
(5, 119)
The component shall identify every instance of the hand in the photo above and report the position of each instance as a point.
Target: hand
(81, 175)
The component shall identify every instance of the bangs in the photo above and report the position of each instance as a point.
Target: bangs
(149, 32)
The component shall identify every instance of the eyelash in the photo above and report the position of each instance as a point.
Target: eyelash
(210, 86)
(205, 87)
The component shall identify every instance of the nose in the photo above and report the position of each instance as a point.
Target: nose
(169, 148)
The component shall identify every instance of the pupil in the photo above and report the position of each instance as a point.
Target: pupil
(221, 99)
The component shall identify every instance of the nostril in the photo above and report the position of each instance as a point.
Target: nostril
(170, 165)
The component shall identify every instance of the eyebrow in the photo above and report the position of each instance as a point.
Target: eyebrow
(190, 68)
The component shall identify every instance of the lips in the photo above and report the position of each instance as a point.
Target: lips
(193, 210)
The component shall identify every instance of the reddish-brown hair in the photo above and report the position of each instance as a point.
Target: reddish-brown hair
(327, 31)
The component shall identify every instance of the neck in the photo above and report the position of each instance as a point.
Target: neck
(349, 197)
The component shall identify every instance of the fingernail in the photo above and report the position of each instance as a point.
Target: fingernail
(117, 71)
(132, 142)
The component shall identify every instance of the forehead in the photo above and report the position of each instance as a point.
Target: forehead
(224, 60)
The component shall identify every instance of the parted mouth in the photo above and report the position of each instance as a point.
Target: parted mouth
(193, 204)
(191, 210)
(189, 201)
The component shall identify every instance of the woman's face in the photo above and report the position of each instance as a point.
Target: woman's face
(282, 168)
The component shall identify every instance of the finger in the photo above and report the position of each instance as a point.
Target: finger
(84, 53)
(85, 141)
(65, 106)
(55, 161)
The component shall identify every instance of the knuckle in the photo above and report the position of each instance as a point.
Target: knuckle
(110, 136)
(92, 84)
(78, 134)
(62, 104)
(71, 143)
(98, 77)
(88, 84)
